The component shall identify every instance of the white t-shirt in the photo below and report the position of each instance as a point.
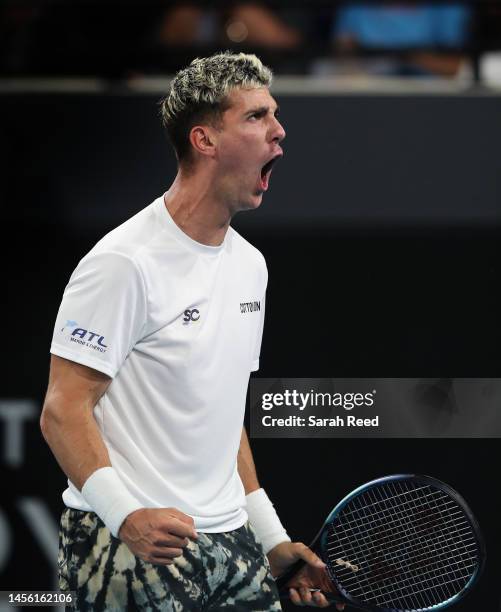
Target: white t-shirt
(177, 325)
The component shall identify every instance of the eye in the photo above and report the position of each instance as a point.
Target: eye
(257, 115)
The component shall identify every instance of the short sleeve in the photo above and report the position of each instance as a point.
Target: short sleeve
(259, 334)
(102, 314)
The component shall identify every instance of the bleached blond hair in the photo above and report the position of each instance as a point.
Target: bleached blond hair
(199, 93)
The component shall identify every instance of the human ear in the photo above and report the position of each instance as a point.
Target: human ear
(202, 139)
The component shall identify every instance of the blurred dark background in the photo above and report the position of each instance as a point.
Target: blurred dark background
(381, 229)
(122, 38)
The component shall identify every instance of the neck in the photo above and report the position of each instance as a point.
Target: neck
(196, 208)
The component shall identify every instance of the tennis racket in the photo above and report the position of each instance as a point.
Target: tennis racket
(400, 544)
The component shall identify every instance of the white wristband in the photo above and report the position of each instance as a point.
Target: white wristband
(107, 495)
(264, 520)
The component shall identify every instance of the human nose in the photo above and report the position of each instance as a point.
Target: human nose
(278, 131)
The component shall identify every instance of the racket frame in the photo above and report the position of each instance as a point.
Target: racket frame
(319, 541)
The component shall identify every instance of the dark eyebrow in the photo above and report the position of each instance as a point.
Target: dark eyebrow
(261, 110)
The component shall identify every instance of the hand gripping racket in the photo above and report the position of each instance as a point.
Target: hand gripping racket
(399, 544)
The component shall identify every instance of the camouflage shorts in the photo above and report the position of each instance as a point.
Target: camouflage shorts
(218, 571)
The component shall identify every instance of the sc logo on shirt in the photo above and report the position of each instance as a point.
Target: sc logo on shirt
(191, 315)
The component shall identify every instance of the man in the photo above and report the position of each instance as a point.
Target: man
(158, 330)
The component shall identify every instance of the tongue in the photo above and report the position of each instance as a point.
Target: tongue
(265, 178)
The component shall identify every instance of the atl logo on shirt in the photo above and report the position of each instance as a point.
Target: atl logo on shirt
(86, 337)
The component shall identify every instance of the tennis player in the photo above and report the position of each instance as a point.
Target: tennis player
(159, 328)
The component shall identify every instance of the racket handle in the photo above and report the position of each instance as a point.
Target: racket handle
(290, 573)
(283, 590)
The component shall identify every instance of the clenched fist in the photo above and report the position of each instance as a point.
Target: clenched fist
(157, 535)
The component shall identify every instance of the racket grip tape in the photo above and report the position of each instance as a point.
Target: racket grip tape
(288, 575)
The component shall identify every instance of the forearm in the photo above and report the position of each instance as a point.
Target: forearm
(259, 508)
(74, 438)
(246, 466)
(69, 427)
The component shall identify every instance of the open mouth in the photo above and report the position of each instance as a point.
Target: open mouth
(266, 171)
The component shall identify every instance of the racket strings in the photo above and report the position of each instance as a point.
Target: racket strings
(380, 569)
(392, 543)
(388, 538)
(423, 492)
(389, 544)
(466, 550)
(413, 545)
